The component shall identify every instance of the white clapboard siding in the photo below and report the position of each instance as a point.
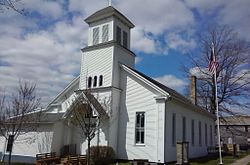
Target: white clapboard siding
(121, 56)
(31, 143)
(195, 150)
(95, 63)
(136, 98)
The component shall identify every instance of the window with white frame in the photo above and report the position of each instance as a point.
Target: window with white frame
(173, 129)
(206, 134)
(183, 128)
(95, 35)
(105, 33)
(211, 135)
(140, 128)
(192, 131)
(200, 139)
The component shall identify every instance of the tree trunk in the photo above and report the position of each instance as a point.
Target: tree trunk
(9, 163)
(88, 159)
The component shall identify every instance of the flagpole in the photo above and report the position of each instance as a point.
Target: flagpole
(217, 109)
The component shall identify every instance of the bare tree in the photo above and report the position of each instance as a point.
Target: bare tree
(89, 115)
(19, 112)
(233, 73)
(11, 4)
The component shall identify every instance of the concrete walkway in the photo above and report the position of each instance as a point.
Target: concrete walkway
(243, 161)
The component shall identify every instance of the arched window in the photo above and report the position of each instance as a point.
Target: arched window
(95, 81)
(100, 80)
(89, 82)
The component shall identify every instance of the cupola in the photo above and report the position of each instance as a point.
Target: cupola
(108, 25)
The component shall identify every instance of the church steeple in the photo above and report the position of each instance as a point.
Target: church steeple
(108, 47)
(109, 24)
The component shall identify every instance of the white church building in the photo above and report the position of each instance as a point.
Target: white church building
(146, 118)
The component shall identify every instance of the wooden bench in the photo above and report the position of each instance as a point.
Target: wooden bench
(47, 158)
(82, 159)
(140, 162)
(76, 160)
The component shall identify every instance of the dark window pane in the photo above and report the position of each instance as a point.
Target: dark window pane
(125, 39)
(137, 136)
(118, 35)
(142, 120)
(95, 81)
(192, 127)
(137, 120)
(89, 82)
(100, 80)
(142, 137)
(184, 128)
(174, 129)
(200, 133)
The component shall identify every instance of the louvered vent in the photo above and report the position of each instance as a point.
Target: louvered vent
(105, 33)
(95, 36)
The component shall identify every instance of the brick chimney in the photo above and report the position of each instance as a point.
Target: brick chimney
(193, 90)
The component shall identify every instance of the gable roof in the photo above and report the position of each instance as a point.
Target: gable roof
(172, 93)
(108, 12)
(69, 87)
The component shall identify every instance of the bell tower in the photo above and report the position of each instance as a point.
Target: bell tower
(108, 46)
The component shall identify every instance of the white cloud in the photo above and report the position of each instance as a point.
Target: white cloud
(231, 12)
(176, 41)
(200, 72)
(237, 14)
(172, 82)
(87, 7)
(45, 8)
(140, 42)
(157, 17)
(50, 58)
(138, 59)
(49, 54)
(205, 6)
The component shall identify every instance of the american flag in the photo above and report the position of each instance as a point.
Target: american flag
(213, 64)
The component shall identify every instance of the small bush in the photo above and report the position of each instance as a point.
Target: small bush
(100, 155)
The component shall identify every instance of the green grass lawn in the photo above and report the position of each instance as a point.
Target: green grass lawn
(208, 160)
(213, 160)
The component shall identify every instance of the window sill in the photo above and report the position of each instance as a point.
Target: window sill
(140, 145)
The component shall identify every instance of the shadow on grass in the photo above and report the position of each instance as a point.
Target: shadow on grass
(214, 159)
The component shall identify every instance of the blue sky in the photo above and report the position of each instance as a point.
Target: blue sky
(44, 46)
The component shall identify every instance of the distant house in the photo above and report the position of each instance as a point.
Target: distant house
(235, 130)
(146, 118)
